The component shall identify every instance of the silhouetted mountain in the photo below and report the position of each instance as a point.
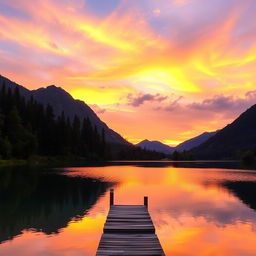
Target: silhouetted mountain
(194, 142)
(155, 146)
(238, 136)
(49, 122)
(61, 101)
(12, 85)
(184, 146)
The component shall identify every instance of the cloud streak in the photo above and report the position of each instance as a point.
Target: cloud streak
(140, 99)
(225, 103)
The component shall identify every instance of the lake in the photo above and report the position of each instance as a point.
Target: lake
(198, 209)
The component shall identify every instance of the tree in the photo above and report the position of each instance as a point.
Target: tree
(22, 141)
(5, 148)
(76, 136)
(248, 157)
(84, 138)
(103, 143)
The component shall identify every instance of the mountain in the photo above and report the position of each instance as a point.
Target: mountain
(186, 145)
(194, 142)
(240, 135)
(155, 146)
(62, 101)
(12, 85)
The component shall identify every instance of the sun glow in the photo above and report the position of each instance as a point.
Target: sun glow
(174, 78)
(172, 143)
(100, 96)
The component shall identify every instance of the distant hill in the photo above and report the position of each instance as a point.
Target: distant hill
(61, 100)
(194, 142)
(186, 145)
(155, 146)
(240, 135)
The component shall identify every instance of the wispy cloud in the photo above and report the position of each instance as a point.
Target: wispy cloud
(172, 105)
(221, 103)
(140, 99)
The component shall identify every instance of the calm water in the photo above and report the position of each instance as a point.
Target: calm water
(197, 211)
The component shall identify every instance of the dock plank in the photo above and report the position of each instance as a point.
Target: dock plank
(129, 230)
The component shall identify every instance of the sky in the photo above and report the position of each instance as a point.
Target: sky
(162, 70)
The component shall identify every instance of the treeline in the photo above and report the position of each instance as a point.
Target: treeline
(182, 156)
(28, 128)
(248, 157)
(136, 153)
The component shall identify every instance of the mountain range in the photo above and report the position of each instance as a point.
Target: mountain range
(226, 143)
(156, 146)
(62, 101)
(184, 146)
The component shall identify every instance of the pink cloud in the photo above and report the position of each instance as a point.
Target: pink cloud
(140, 99)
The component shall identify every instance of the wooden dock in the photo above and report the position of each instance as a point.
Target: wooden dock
(129, 230)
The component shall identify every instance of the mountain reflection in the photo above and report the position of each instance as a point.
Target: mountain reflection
(45, 202)
(244, 190)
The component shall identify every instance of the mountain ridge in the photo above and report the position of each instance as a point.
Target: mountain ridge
(184, 146)
(62, 101)
(234, 138)
(195, 141)
(155, 146)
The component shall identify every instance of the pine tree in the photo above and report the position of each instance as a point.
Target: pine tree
(23, 142)
(76, 136)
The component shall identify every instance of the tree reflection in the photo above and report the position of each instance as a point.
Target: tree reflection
(45, 202)
(244, 190)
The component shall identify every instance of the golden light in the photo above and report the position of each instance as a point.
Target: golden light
(172, 143)
(172, 77)
(106, 37)
(99, 96)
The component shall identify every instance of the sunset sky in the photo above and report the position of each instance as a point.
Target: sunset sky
(151, 69)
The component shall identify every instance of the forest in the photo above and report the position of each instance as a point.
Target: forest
(28, 128)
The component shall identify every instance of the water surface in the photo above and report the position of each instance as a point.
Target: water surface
(196, 210)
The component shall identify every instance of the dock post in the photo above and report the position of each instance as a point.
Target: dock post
(111, 197)
(146, 201)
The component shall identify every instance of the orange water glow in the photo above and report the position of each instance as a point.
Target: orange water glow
(192, 213)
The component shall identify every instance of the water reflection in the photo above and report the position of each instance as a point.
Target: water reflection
(244, 190)
(43, 202)
(191, 207)
(196, 211)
